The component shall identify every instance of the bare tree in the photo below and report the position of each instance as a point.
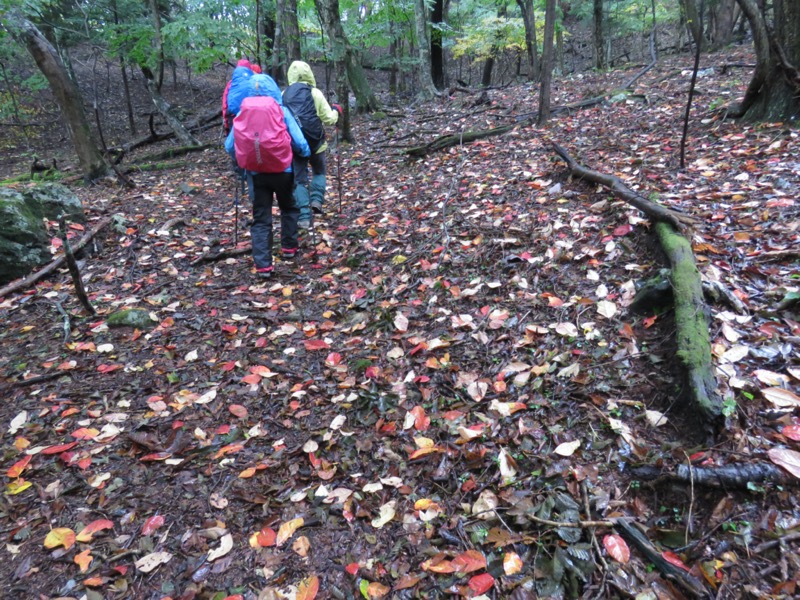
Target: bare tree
(92, 163)
(422, 28)
(529, 20)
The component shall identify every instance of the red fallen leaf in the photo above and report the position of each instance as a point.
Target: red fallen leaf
(94, 581)
(228, 366)
(70, 411)
(333, 359)
(252, 378)
(308, 588)
(421, 420)
(152, 524)
(352, 568)
(237, 410)
(266, 537)
(229, 449)
(87, 532)
(18, 467)
(480, 584)
(649, 321)
(85, 462)
(156, 456)
(230, 329)
(85, 434)
(617, 548)
(234, 597)
(372, 372)
(312, 345)
(792, 432)
(59, 448)
(108, 368)
(674, 560)
(623, 230)
(261, 342)
(469, 561)
(418, 348)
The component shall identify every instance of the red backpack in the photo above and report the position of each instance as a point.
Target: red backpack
(260, 137)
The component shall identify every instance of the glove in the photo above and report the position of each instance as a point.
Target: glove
(337, 108)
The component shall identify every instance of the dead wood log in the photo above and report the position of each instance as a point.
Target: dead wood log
(655, 211)
(691, 322)
(447, 141)
(213, 256)
(735, 476)
(175, 152)
(655, 556)
(22, 284)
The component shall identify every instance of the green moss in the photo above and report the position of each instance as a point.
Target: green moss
(131, 317)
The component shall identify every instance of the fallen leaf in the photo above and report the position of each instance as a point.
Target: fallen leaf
(481, 583)
(301, 546)
(606, 308)
(512, 563)
(237, 410)
(469, 561)
(788, 459)
(792, 432)
(225, 546)
(781, 398)
(401, 322)
(308, 588)
(151, 561)
(287, 529)
(60, 536)
(387, 513)
(675, 560)
(152, 524)
(87, 532)
(655, 418)
(18, 467)
(83, 560)
(567, 448)
(617, 548)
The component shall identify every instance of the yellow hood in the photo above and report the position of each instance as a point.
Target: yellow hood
(300, 71)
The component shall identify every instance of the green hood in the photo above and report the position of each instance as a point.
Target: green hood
(300, 71)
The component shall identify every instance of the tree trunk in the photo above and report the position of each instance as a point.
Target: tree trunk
(598, 37)
(158, 44)
(93, 166)
(529, 20)
(292, 31)
(427, 89)
(438, 64)
(774, 90)
(278, 42)
(723, 16)
(692, 19)
(547, 61)
(488, 66)
(342, 51)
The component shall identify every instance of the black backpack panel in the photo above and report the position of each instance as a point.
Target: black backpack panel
(298, 99)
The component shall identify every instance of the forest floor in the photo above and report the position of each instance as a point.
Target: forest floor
(447, 376)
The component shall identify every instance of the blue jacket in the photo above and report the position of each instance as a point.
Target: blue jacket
(264, 85)
(240, 85)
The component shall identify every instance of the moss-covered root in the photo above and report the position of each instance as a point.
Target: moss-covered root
(694, 346)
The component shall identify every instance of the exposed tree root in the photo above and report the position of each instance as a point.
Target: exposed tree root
(736, 476)
(28, 281)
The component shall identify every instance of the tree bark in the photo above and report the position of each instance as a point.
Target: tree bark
(547, 62)
(598, 38)
(722, 17)
(438, 64)
(692, 20)
(427, 89)
(93, 165)
(292, 31)
(531, 47)
(165, 110)
(158, 44)
(278, 42)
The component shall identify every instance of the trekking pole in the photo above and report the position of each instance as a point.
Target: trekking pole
(236, 217)
(338, 167)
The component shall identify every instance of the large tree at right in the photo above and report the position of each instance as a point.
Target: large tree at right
(774, 91)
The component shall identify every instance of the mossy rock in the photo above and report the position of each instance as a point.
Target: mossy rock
(23, 237)
(131, 317)
(54, 201)
(379, 115)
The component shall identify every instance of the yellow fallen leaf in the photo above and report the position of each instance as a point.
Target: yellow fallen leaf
(60, 536)
(287, 529)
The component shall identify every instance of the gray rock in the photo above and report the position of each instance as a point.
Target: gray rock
(24, 240)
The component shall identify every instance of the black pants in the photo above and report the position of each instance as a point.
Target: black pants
(262, 188)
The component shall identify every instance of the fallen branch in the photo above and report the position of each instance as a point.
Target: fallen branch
(736, 476)
(653, 555)
(22, 284)
(691, 321)
(74, 271)
(174, 152)
(211, 256)
(656, 212)
(447, 141)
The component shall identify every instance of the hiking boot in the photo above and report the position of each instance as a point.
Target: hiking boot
(288, 253)
(316, 207)
(304, 224)
(265, 272)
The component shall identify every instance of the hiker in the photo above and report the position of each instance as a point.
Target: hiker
(235, 91)
(263, 139)
(312, 111)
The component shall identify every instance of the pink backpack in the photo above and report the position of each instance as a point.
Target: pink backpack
(260, 137)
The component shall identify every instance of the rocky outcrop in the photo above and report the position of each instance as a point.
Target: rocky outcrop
(24, 240)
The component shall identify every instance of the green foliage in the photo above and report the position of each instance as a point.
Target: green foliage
(490, 35)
